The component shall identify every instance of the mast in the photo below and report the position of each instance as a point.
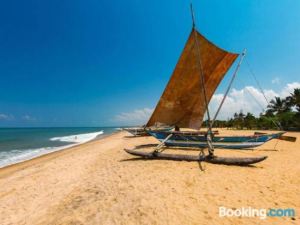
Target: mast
(209, 127)
(229, 87)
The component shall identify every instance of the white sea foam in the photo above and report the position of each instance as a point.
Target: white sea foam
(80, 138)
(20, 155)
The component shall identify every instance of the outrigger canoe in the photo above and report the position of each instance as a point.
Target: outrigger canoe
(141, 131)
(184, 102)
(198, 140)
(136, 131)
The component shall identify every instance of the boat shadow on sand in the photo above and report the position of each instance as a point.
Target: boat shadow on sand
(140, 136)
(137, 159)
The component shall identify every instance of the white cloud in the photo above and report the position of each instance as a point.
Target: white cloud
(136, 117)
(289, 88)
(248, 99)
(28, 118)
(276, 80)
(6, 117)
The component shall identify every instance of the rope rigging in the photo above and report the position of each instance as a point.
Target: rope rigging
(256, 80)
(277, 124)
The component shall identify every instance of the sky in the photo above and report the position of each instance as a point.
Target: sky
(106, 63)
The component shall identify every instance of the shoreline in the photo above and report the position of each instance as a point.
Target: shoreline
(99, 137)
(99, 183)
(49, 155)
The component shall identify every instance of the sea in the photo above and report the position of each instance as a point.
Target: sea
(20, 144)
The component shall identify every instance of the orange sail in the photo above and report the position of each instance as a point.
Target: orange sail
(183, 104)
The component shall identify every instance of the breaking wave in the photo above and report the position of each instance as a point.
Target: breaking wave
(78, 138)
(19, 155)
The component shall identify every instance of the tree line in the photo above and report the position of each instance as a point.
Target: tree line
(281, 113)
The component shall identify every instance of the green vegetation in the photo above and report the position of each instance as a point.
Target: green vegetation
(280, 114)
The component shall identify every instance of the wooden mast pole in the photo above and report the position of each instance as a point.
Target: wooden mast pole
(209, 127)
(229, 86)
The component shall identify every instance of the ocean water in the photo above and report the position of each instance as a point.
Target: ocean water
(20, 144)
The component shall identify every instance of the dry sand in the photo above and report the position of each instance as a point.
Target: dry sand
(98, 183)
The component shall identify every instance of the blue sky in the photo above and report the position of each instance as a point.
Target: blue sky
(96, 63)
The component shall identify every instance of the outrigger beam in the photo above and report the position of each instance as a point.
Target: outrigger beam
(158, 147)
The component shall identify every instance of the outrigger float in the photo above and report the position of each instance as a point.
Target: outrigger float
(240, 161)
(200, 69)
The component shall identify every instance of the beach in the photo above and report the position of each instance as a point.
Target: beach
(98, 183)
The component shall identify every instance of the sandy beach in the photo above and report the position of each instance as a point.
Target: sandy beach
(98, 183)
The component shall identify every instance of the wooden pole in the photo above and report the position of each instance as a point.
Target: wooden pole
(209, 127)
(229, 87)
(162, 143)
(193, 16)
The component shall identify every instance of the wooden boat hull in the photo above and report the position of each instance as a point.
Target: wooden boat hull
(239, 161)
(137, 131)
(226, 142)
(142, 131)
(282, 137)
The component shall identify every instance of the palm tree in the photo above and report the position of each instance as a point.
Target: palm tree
(279, 106)
(294, 99)
(250, 120)
(236, 120)
(241, 118)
